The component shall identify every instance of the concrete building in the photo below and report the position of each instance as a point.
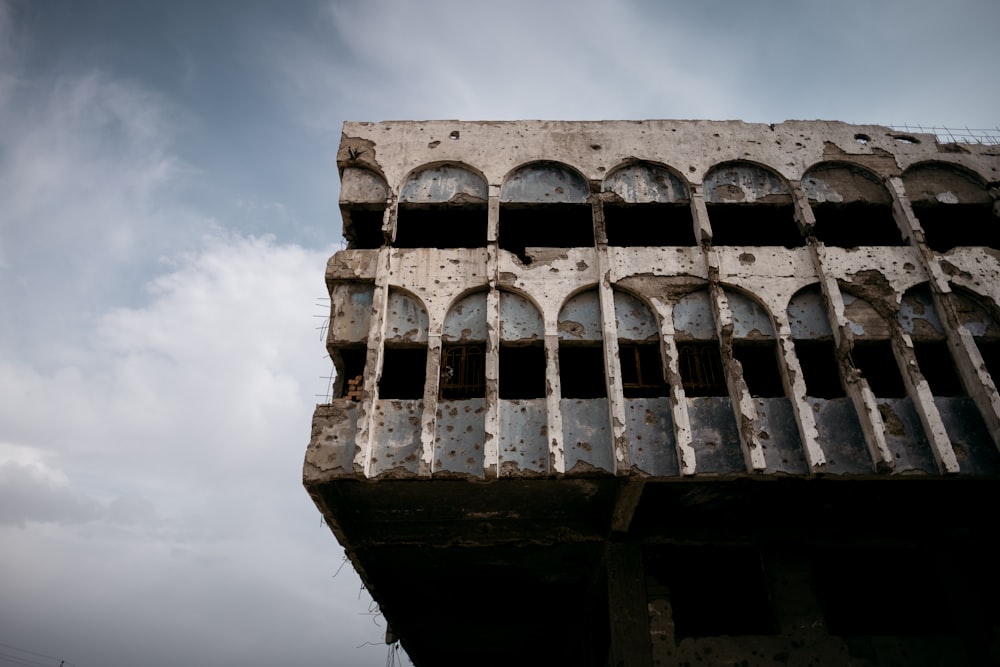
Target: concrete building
(667, 392)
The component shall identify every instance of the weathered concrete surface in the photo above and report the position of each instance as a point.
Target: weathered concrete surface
(821, 233)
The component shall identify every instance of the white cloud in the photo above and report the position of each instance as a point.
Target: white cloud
(161, 483)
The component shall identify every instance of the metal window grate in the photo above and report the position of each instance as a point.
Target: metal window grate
(701, 370)
(463, 372)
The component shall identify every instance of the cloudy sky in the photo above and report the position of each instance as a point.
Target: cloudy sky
(168, 194)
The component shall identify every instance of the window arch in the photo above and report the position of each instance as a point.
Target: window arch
(363, 198)
(977, 313)
(872, 352)
(953, 206)
(544, 204)
(851, 206)
(698, 357)
(463, 349)
(638, 348)
(651, 206)
(442, 206)
(755, 345)
(814, 343)
(404, 359)
(522, 351)
(581, 349)
(750, 205)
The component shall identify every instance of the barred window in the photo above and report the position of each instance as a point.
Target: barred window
(701, 369)
(463, 371)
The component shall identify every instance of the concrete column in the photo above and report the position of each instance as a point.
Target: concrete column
(428, 418)
(491, 448)
(553, 407)
(968, 360)
(683, 439)
(795, 389)
(855, 385)
(364, 443)
(612, 365)
(744, 408)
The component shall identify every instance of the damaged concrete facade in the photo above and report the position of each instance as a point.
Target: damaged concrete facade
(666, 392)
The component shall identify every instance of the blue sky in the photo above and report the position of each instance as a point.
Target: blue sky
(168, 192)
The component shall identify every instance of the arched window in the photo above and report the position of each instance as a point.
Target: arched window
(814, 343)
(522, 352)
(953, 206)
(919, 319)
(872, 352)
(544, 205)
(442, 207)
(404, 359)
(363, 197)
(755, 346)
(977, 314)
(463, 349)
(750, 205)
(347, 337)
(851, 206)
(581, 349)
(651, 207)
(638, 348)
(699, 359)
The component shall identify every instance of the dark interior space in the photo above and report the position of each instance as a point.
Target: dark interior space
(910, 601)
(990, 352)
(545, 226)
(463, 371)
(856, 224)
(403, 372)
(522, 371)
(948, 226)
(363, 226)
(349, 363)
(701, 369)
(441, 226)
(938, 368)
(713, 590)
(649, 225)
(754, 224)
(818, 361)
(877, 364)
(581, 371)
(760, 368)
(642, 370)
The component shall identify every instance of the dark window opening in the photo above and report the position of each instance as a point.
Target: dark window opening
(522, 371)
(642, 370)
(948, 226)
(404, 370)
(754, 224)
(649, 225)
(701, 369)
(545, 226)
(441, 227)
(938, 368)
(856, 224)
(990, 352)
(760, 368)
(581, 371)
(363, 226)
(878, 365)
(818, 361)
(713, 591)
(463, 371)
(350, 365)
(854, 605)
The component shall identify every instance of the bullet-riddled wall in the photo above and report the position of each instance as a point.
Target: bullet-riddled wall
(661, 298)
